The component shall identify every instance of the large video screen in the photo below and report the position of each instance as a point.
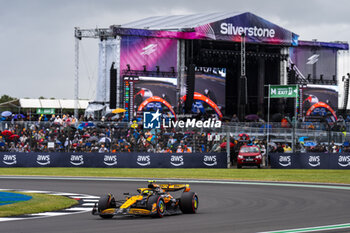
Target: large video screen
(209, 85)
(315, 61)
(137, 52)
(152, 54)
(319, 101)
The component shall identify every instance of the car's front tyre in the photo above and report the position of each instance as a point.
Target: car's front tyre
(106, 202)
(160, 206)
(189, 203)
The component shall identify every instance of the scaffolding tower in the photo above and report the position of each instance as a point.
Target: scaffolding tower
(98, 33)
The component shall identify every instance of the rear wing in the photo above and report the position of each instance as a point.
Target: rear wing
(175, 187)
(169, 187)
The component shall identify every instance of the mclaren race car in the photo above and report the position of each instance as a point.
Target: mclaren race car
(154, 201)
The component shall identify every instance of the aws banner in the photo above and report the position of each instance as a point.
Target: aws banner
(118, 160)
(310, 160)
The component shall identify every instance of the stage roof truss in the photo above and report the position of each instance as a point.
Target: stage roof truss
(178, 22)
(97, 33)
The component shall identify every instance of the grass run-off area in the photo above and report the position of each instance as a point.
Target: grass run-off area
(290, 175)
(39, 203)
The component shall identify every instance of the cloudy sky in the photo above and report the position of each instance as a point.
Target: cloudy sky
(37, 41)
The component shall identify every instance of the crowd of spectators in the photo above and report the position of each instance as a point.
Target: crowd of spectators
(66, 133)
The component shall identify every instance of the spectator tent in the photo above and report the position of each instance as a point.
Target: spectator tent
(45, 106)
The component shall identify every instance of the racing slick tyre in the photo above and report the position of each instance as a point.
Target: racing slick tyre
(158, 200)
(189, 203)
(106, 202)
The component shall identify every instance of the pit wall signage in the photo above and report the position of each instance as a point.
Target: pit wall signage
(121, 160)
(310, 160)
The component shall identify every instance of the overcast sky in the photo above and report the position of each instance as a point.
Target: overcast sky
(37, 37)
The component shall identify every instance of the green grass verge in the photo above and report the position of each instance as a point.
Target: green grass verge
(39, 203)
(293, 175)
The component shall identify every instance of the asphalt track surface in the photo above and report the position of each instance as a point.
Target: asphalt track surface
(222, 208)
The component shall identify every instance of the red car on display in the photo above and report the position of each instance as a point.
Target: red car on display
(250, 156)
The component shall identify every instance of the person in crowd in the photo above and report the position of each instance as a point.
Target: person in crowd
(287, 148)
(263, 153)
(179, 149)
(171, 141)
(166, 150)
(234, 118)
(279, 148)
(102, 149)
(186, 149)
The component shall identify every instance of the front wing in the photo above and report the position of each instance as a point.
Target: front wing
(132, 211)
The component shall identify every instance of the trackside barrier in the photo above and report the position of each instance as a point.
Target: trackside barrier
(310, 160)
(118, 160)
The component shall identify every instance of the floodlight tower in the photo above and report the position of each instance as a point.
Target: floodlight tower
(242, 87)
(243, 55)
(76, 76)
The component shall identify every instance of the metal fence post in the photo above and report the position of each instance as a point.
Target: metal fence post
(228, 148)
(268, 123)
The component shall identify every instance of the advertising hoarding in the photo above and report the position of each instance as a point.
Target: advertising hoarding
(116, 160)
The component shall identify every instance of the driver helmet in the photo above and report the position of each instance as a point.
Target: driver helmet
(145, 192)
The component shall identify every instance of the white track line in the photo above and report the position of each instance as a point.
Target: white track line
(48, 214)
(79, 209)
(88, 204)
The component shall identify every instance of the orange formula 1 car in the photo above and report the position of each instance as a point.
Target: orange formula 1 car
(154, 201)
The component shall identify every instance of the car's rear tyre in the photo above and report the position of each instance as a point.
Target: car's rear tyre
(160, 206)
(259, 166)
(239, 166)
(189, 203)
(106, 202)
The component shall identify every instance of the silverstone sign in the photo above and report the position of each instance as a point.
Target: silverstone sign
(121, 160)
(283, 91)
(230, 29)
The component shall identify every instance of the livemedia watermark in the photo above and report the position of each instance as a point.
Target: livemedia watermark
(152, 120)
